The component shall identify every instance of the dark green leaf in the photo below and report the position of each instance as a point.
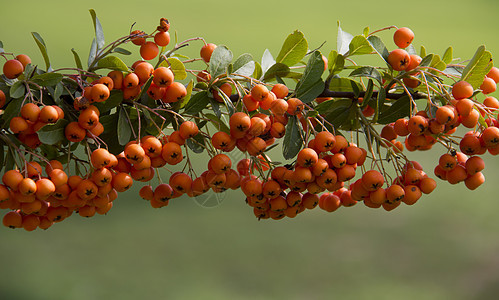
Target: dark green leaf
(399, 109)
(47, 79)
(12, 110)
(113, 101)
(196, 144)
(112, 63)
(77, 59)
(278, 69)
(379, 46)
(426, 61)
(359, 45)
(197, 103)
(337, 112)
(381, 102)
(99, 33)
(215, 106)
(43, 49)
(17, 90)
(218, 123)
(52, 134)
(10, 161)
(478, 67)
(311, 85)
(220, 59)
(336, 62)
(367, 72)
(124, 129)
(343, 41)
(293, 50)
(293, 140)
(110, 123)
(2, 154)
(121, 51)
(368, 94)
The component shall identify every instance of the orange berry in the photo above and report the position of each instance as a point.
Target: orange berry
(162, 38)
(461, 90)
(206, 51)
(399, 59)
(12, 68)
(403, 37)
(149, 50)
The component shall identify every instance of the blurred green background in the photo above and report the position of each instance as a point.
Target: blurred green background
(444, 247)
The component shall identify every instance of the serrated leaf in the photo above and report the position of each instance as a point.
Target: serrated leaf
(342, 85)
(218, 123)
(278, 69)
(379, 46)
(47, 79)
(124, 129)
(478, 67)
(311, 85)
(447, 58)
(52, 134)
(99, 33)
(77, 59)
(112, 63)
(113, 101)
(43, 49)
(121, 51)
(336, 62)
(367, 72)
(197, 103)
(293, 140)
(399, 109)
(17, 90)
(343, 40)
(293, 50)
(267, 61)
(359, 45)
(220, 59)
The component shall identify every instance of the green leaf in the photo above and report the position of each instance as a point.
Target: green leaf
(336, 62)
(367, 72)
(17, 90)
(110, 123)
(258, 71)
(379, 46)
(113, 101)
(1, 47)
(187, 97)
(92, 53)
(52, 134)
(278, 69)
(99, 33)
(196, 144)
(399, 109)
(437, 63)
(10, 160)
(244, 65)
(220, 60)
(121, 51)
(47, 79)
(426, 61)
(112, 63)
(176, 66)
(215, 106)
(43, 49)
(337, 112)
(311, 85)
(218, 123)
(2, 151)
(343, 85)
(359, 45)
(343, 41)
(411, 50)
(368, 94)
(77, 59)
(447, 56)
(12, 110)
(293, 140)
(267, 61)
(422, 51)
(293, 50)
(123, 129)
(478, 67)
(197, 103)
